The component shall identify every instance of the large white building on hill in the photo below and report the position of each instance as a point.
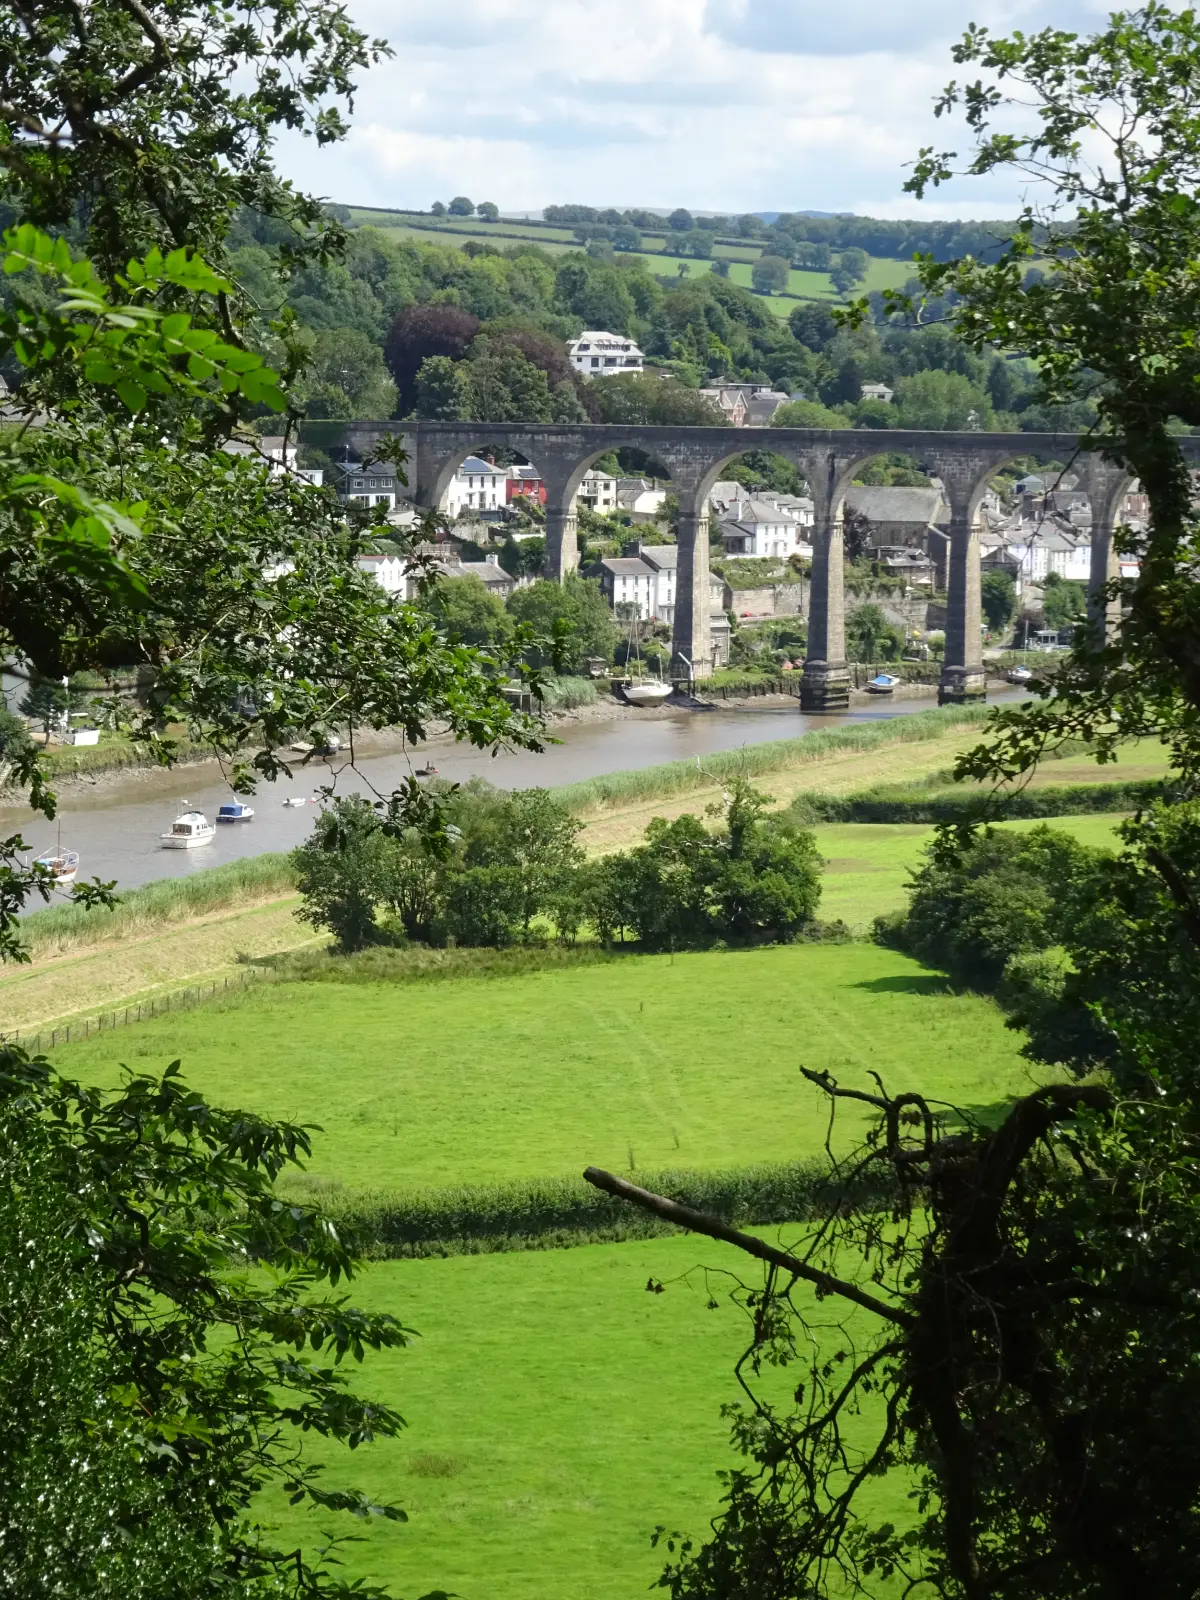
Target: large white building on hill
(600, 355)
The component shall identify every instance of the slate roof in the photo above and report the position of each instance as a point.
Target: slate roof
(626, 567)
(663, 557)
(883, 503)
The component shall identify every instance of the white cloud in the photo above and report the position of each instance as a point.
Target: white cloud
(726, 105)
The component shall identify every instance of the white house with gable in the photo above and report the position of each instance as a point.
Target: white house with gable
(762, 529)
(599, 355)
(477, 485)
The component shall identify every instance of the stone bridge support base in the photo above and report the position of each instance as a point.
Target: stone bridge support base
(959, 685)
(825, 687)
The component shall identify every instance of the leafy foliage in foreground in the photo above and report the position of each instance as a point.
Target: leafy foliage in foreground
(172, 1332)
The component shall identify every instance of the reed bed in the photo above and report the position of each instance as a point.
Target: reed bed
(564, 694)
(779, 755)
(154, 905)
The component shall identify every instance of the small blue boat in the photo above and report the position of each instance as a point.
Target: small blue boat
(235, 812)
(882, 683)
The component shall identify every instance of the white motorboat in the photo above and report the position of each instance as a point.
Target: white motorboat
(646, 693)
(235, 811)
(882, 683)
(189, 831)
(1018, 675)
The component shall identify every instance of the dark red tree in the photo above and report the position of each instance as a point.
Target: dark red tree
(421, 331)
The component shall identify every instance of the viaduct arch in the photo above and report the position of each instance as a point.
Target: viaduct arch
(828, 460)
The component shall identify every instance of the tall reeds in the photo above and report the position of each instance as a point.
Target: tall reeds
(780, 755)
(167, 900)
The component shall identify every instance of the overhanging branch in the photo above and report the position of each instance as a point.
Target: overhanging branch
(699, 1222)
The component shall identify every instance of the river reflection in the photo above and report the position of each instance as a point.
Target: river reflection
(116, 827)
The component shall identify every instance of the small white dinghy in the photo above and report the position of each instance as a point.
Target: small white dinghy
(295, 800)
(189, 831)
(882, 683)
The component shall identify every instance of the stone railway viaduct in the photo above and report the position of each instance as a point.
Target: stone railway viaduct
(828, 460)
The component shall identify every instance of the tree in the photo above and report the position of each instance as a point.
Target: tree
(345, 871)
(870, 636)
(575, 610)
(971, 910)
(443, 393)
(438, 208)
(998, 595)
(680, 221)
(698, 244)
(419, 332)
(468, 612)
(637, 397)
(531, 836)
(347, 377)
(150, 1380)
(488, 210)
(151, 126)
(502, 386)
(770, 274)
(933, 399)
(626, 238)
(460, 206)
(1063, 601)
(50, 704)
(807, 414)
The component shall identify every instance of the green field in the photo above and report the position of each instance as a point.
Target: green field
(640, 1063)
(557, 1412)
(867, 864)
(802, 286)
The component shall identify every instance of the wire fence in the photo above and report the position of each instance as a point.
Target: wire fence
(139, 1011)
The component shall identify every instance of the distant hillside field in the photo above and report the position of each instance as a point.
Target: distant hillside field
(882, 272)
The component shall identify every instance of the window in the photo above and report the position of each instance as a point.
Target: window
(610, 361)
(595, 361)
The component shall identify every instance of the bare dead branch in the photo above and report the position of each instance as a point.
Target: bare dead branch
(699, 1222)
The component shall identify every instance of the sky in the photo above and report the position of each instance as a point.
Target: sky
(716, 105)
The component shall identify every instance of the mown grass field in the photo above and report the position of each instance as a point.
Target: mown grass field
(557, 1413)
(643, 1063)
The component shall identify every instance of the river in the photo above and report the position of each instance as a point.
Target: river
(116, 825)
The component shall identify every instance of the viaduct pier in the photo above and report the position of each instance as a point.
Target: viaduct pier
(828, 461)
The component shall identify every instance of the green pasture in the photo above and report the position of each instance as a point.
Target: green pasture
(644, 1064)
(867, 864)
(557, 1413)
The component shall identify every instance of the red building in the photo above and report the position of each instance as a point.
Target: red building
(524, 483)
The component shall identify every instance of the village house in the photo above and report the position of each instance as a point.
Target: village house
(603, 354)
(898, 516)
(524, 483)
(745, 405)
(758, 528)
(598, 492)
(477, 485)
(375, 485)
(640, 499)
(876, 391)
